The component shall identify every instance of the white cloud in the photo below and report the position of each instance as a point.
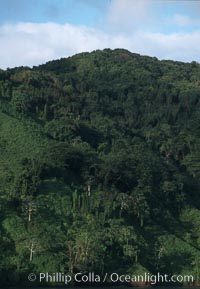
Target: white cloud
(126, 15)
(176, 46)
(32, 43)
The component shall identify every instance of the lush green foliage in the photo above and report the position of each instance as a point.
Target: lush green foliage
(100, 166)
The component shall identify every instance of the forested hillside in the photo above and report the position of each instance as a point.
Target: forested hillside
(100, 166)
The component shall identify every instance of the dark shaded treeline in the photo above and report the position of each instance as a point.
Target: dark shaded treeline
(100, 166)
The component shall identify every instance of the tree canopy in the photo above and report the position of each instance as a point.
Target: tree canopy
(100, 166)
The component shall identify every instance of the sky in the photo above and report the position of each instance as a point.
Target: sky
(33, 32)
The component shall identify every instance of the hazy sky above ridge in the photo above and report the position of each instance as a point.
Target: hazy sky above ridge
(35, 31)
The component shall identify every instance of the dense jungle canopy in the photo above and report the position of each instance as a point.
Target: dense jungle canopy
(100, 166)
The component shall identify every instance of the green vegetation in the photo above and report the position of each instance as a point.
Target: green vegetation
(100, 166)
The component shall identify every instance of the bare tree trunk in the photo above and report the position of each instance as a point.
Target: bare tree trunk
(31, 254)
(29, 214)
(89, 190)
(31, 251)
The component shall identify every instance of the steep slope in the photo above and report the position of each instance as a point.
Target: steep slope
(100, 166)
